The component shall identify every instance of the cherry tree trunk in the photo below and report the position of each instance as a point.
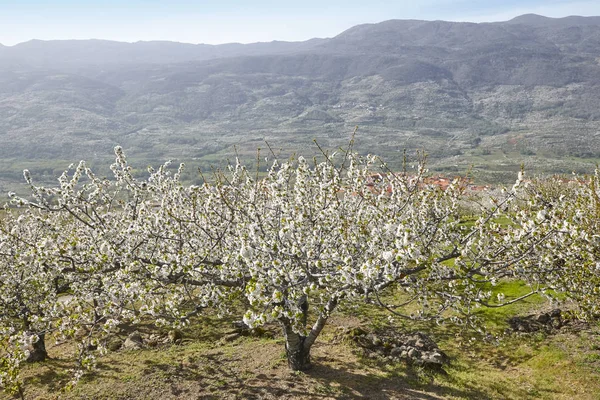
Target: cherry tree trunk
(298, 354)
(38, 350)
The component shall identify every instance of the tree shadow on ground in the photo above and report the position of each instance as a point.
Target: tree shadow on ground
(410, 383)
(51, 373)
(216, 379)
(54, 374)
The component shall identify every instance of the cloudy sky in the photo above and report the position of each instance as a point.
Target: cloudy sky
(225, 21)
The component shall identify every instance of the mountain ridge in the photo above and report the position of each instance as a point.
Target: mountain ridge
(491, 94)
(276, 46)
(526, 19)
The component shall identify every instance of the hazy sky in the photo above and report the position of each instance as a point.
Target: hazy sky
(224, 21)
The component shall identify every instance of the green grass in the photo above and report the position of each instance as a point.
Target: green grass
(496, 318)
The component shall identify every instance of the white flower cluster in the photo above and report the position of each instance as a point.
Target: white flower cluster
(91, 254)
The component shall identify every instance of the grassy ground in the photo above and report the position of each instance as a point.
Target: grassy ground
(206, 365)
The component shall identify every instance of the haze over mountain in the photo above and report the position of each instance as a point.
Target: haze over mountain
(490, 94)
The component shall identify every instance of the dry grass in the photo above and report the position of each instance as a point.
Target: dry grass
(562, 366)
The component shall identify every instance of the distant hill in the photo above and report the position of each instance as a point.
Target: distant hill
(493, 95)
(76, 53)
(540, 21)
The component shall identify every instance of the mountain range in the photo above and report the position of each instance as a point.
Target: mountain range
(491, 95)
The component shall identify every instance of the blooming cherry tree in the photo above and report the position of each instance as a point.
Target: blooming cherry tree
(565, 214)
(308, 237)
(293, 244)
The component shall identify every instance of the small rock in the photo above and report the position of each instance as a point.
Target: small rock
(436, 358)
(414, 353)
(231, 337)
(240, 325)
(114, 344)
(133, 342)
(543, 318)
(175, 336)
(396, 351)
(537, 322)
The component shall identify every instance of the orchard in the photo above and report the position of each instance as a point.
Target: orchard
(285, 247)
